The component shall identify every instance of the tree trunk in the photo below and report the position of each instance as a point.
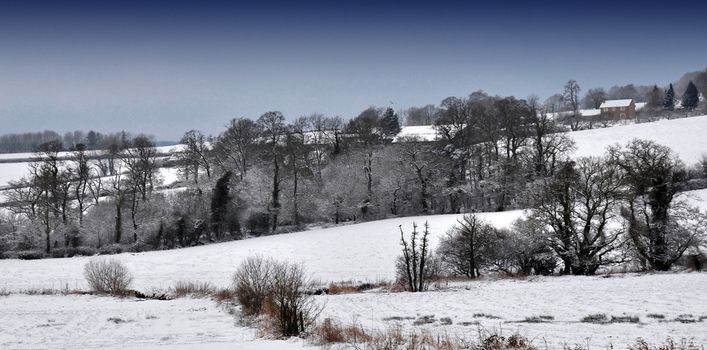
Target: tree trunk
(275, 193)
(295, 209)
(118, 221)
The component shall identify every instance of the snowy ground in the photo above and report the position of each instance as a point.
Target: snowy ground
(91, 322)
(360, 252)
(697, 198)
(567, 299)
(685, 136)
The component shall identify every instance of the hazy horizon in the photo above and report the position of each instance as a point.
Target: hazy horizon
(169, 66)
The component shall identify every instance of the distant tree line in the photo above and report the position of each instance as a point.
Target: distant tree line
(686, 93)
(31, 141)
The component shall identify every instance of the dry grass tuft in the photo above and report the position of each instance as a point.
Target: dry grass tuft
(193, 289)
(342, 288)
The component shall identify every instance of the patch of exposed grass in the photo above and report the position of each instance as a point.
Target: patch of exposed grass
(624, 319)
(193, 289)
(397, 318)
(117, 320)
(595, 318)
(426, 319)
(686, 318)
(538, 319)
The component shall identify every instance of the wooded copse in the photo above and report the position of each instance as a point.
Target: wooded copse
(268, 176)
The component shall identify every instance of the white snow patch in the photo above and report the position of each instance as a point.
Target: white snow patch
(91, 322)
(685, 136)
(567, 299)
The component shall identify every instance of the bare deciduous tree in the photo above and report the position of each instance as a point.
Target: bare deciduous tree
(417, 267)
(579, 204)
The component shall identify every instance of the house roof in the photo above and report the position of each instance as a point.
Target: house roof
(421, 132)
(616, 103)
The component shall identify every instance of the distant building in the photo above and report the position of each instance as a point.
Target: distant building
(618, 109)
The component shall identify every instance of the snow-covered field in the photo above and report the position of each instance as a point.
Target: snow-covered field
(685, 136)
(502, 306)
(91, 322)
(359, 252)
(14, 165)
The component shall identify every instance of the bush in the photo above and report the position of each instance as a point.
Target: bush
(86, 251)
(63, 252)
(114, 248)
(278, 290)
(9, 255)
(30, 254)
(251, 283)
(108, 276)
(258, 223)
(291, 309)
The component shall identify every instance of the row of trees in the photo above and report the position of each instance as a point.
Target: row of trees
(31, 141)
(593, 212)
(58, 193)
(570, 99)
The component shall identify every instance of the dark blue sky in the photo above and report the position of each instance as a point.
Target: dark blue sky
(163, 67)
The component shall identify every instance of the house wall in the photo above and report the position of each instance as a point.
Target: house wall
(617, 113)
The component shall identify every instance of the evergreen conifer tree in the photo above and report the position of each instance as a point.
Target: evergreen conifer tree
(691, 97)
(655, 97)
(389, 123)
(669, 101)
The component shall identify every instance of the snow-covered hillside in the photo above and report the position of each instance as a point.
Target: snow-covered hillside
(14, 166)
(687, 137)
(359, 252)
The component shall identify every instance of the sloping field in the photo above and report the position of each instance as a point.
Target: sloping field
(687, 137)
(359, 252)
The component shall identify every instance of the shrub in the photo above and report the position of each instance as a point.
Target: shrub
(289, 306)
(30, 254)
(278, 290)
(329, 332)
(224, 294)
(108, 276)
(86, 251)
(114, 248)
(258, 223)
(251, 283)
(63, 252)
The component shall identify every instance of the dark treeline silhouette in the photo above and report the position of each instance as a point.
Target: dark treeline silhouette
(31, 141)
